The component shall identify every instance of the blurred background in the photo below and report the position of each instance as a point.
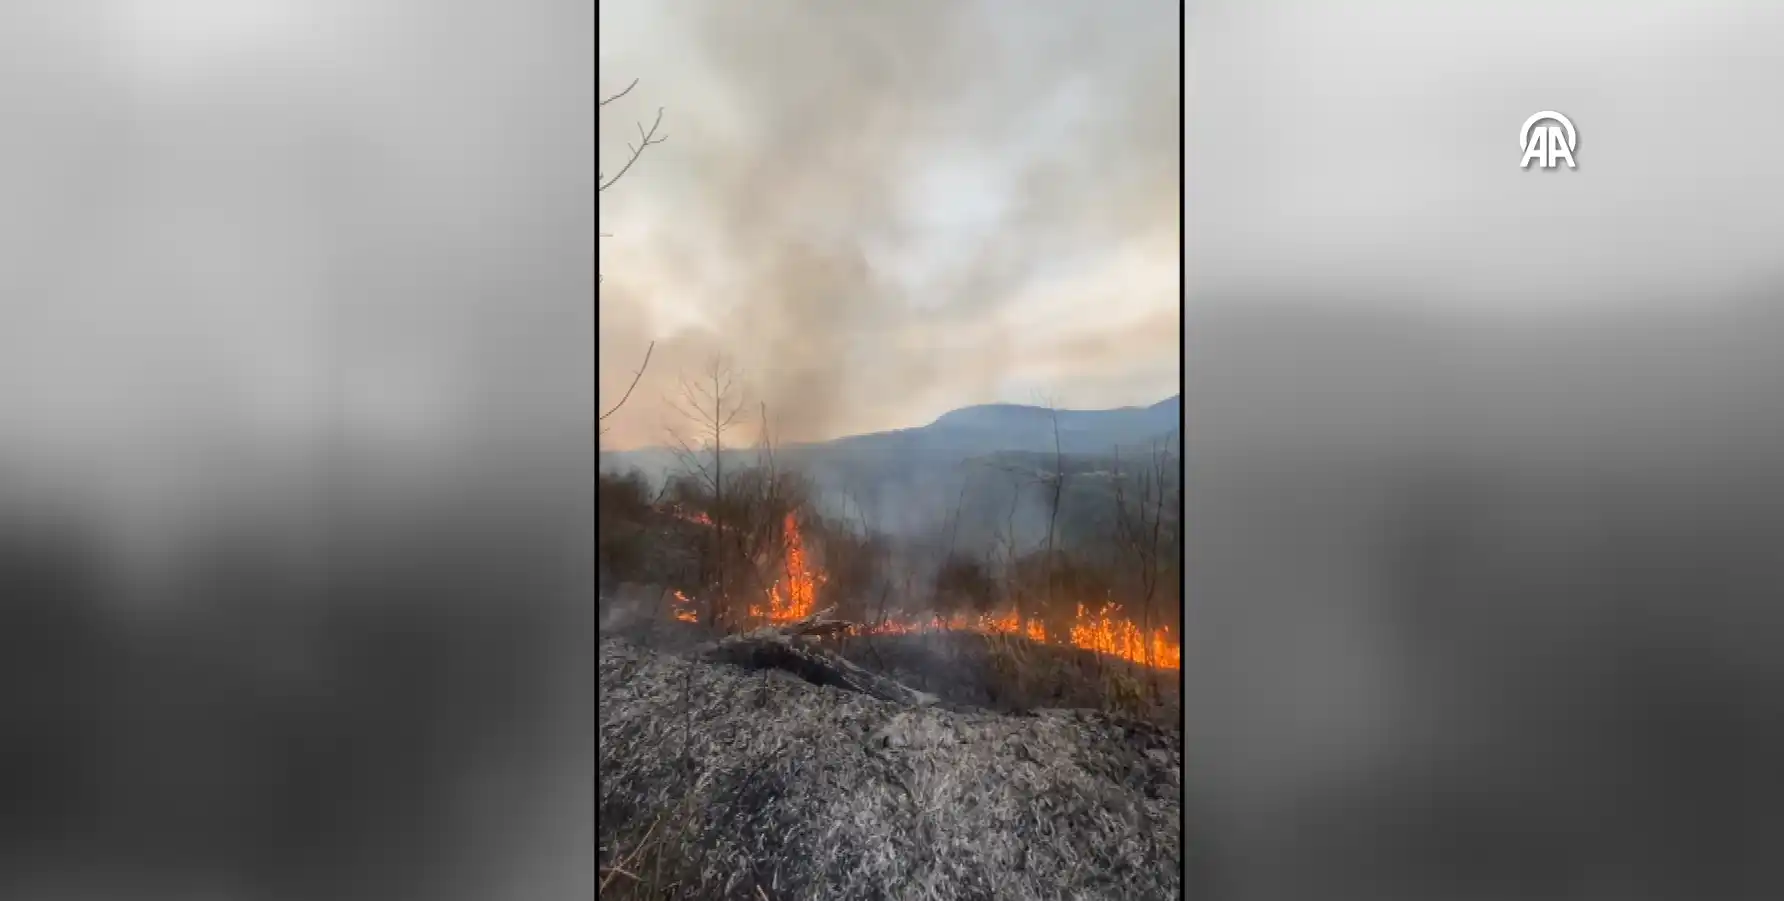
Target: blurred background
(1484, 463)
(295, 355)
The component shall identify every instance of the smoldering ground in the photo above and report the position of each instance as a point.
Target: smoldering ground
(879, 212)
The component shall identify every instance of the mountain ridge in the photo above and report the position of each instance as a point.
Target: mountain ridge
(985, 428)
(991, 428)
(913, 477)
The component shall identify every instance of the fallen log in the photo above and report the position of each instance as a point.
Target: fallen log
(788, 647)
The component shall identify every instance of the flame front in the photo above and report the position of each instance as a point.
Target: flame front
(1105, 631)
(1108, 632)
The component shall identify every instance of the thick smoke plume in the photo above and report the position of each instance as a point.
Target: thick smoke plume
(878, 212)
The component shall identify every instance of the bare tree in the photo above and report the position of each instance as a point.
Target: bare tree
(1141, 525)
(1056, 482)
(1007, 542)
(646, 139)
(954, 516)
(757, 502)
(713, 405)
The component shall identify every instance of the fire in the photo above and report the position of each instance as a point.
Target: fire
(684, 609)
(696, 517)
(799, 597)
(1106, 631)
(1007, 623)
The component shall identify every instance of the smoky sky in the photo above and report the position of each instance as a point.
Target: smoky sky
(879, 212)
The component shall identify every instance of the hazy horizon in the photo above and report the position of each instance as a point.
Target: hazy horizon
(928, 422)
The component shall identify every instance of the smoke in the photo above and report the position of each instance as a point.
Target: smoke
(879, 212)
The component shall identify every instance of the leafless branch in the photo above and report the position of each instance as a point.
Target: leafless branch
(1058, 493)
(645, 139)
(713, 405)
(628, 90)
(635, 377)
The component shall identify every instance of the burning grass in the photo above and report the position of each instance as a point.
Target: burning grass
(994, 668)
(1014, 675)
(720, 783)
(1104, 629)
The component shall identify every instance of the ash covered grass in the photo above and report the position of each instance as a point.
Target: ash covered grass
(717, 782)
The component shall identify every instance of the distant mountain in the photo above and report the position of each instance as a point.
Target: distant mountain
(910, 478)
(990, 428)
(983, 429)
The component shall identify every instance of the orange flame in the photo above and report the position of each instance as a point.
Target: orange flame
(696, 517)
(683, 612)
(1106, 631)
(800, 597)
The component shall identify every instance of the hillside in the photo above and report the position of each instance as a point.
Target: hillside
(989, 428)
(967, 432)
(907, 479)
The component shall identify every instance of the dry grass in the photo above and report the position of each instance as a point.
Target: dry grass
(1006, 673)
(717, 783)
(1011, 674)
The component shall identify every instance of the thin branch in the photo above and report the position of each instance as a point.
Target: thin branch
(647, 138)
(767, 439)
(623, 93)
(635, 377)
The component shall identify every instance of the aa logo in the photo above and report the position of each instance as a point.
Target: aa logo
(1547, 144)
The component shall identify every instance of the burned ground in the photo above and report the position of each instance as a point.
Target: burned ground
(720, 782)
